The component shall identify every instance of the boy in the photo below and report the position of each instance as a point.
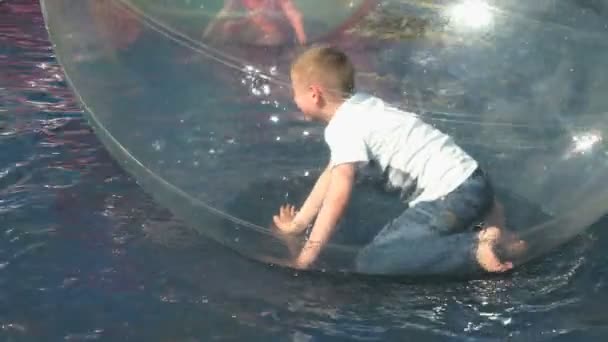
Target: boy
(262, 23)
(446, 191)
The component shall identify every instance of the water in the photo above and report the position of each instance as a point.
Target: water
(86, 255)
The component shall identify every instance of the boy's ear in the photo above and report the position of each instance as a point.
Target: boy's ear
(315, 91)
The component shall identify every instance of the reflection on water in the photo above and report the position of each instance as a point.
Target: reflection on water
(86, 255)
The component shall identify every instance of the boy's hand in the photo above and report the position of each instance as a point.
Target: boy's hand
(285, 220)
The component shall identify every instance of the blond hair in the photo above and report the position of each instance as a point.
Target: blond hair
(328, 66)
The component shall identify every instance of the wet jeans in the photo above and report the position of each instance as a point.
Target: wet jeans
(434, 237)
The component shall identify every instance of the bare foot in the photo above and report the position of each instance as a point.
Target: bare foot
(512, 246)
(485, 254)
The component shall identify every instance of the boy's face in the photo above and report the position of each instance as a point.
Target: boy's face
(306, 97)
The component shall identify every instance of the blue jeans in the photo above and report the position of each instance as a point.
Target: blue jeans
(435, 237)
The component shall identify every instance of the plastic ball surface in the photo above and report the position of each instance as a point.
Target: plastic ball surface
(193, 99)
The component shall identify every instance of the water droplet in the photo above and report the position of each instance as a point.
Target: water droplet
(158, 145)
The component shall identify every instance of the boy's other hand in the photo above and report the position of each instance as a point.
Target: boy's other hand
(284, 221)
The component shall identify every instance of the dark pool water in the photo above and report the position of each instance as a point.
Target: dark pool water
(85, 254)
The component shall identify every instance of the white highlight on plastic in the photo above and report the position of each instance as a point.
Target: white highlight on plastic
(585, 141)
(475, 14)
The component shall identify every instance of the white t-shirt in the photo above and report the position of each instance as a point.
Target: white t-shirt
(413, 157)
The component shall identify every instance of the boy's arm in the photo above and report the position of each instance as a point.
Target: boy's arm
(295, 18)
(336, 200)
(313, 202)
(310, 208)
